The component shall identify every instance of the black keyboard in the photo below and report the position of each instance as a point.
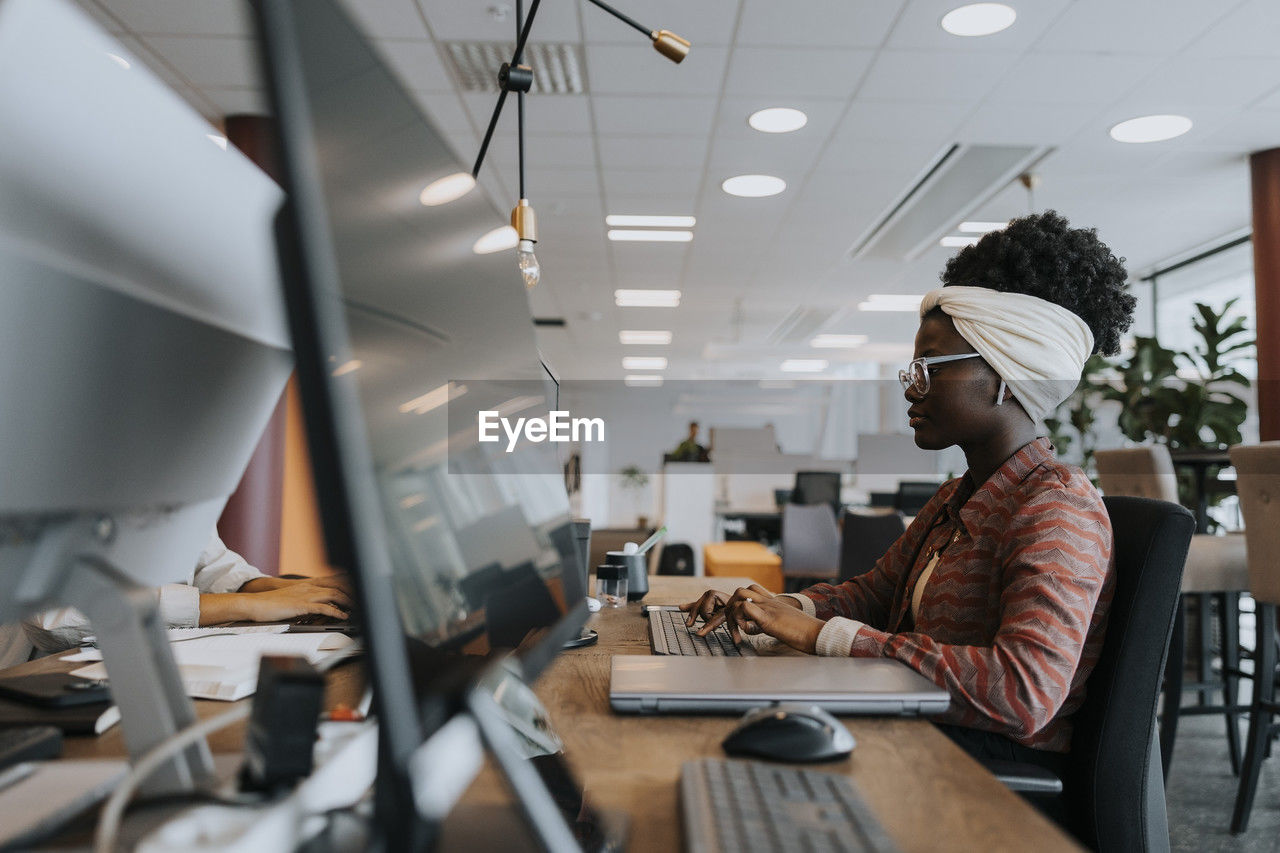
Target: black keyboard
(682, 640)
(28, 743)
(754, 805)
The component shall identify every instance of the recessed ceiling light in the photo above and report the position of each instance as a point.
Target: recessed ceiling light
(646, 298)
(979, 19)
(218, 140)
(643, 380)
(754, 186)
(778, 120)
(655, 337)
(891, 302)
(628, 236)
(644, 362)
(955, 242)
(497, 240)
(981, 227)
(804, 365)
(119, 60)
(838, 341)
(1150, 128)
(447, 189)
(616, 220)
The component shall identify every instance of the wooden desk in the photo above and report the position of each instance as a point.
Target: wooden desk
(929, 794)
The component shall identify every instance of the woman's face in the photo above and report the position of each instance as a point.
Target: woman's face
(959, 407)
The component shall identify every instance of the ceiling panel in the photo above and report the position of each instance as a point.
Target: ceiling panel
(707, 22)
(913, 75)
(389, 19)
(796, 72)
(1249, 30)
(451, 20)
(1214, 82)
(789, 155)
(936, 121)
(652, 115)
(560, 150)
(223, 62)
(679, 187)
(631, 152)
(444, 109)
(106, 20)
(562, 182)
(1019, 123)
(542, 113)
(625, 69)
(1094, 78)
(905, 157)
(840, 23)
(165, 17)
(1134, 26)
(417, 64)
(232, 101)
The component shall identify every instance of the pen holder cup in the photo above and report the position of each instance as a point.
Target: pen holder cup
(636, 567)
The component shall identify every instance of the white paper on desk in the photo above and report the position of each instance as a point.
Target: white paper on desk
(89, 653)
(226, 666)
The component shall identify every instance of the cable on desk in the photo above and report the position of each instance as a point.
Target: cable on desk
(104, 839)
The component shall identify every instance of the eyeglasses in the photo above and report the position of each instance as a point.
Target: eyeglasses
(916, 376)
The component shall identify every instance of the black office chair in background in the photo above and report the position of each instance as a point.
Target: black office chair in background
(913, 495)
(1112, 796)
(817, 487)
(864, 538)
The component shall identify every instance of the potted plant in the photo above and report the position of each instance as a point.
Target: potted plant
(634, 480)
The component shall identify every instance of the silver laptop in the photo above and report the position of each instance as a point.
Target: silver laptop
(644, 684)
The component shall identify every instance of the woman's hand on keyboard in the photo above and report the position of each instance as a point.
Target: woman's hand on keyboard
(755, 610)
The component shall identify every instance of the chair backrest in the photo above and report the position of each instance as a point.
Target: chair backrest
(913, 495)
(1138, 472)
(810, 541)
(1258, 485)
(817, 487)
(676, 559)
(864, 538)
(1114, 781)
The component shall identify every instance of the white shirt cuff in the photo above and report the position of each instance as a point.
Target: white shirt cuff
(837, 636)
(806, 603)
(179, 605)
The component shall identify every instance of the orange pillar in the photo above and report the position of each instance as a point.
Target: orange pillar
(250, 524)
(1264, 167)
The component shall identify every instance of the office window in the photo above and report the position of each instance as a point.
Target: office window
(1213, 281)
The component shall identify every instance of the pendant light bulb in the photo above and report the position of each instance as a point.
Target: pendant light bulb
(526, 225)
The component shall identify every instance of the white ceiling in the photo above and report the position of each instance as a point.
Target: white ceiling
(885, 89)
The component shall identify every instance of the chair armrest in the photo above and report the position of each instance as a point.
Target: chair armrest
(1024, 778)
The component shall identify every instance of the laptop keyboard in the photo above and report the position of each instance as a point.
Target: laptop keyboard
(683, 641)
(754, 805)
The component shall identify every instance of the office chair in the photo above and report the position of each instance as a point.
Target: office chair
(1216, 568)
(912, 496)
(864, 538)
(1112, 795)
(676, 559)
(817, 487)
(810, 544)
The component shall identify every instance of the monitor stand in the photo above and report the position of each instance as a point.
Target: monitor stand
(144, 679)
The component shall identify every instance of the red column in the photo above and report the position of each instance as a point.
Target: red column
(250, 524)
(1264, 167)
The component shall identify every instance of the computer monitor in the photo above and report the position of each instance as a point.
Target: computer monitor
(143, 346)
(403, 334)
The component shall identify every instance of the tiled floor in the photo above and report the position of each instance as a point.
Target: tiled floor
(1201, 793)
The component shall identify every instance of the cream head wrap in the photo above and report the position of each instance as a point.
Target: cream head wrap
(1035, 346)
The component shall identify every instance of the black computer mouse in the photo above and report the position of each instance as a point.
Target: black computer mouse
(790, 732)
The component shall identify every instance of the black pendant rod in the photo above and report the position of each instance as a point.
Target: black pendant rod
(520, 95)
(502, 96)
(624, 18)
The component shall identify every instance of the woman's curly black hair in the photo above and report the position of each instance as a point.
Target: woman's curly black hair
(1042, 255)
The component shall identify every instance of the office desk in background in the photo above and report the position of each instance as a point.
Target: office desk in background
(927, 792)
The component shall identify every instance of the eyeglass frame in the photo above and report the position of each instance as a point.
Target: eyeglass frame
(904, 376)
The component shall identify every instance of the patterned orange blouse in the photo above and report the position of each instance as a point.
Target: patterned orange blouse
(1011, 620)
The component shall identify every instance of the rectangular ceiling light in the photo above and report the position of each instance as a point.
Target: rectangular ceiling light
(646, 298)
(804, 365)
(615, 220)
(970, 227)
(644, 362)
(892, 302)
(644, 338)
(838, 341)
(954, 241)
(643, 380)
(433, 399)
(623, 235)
